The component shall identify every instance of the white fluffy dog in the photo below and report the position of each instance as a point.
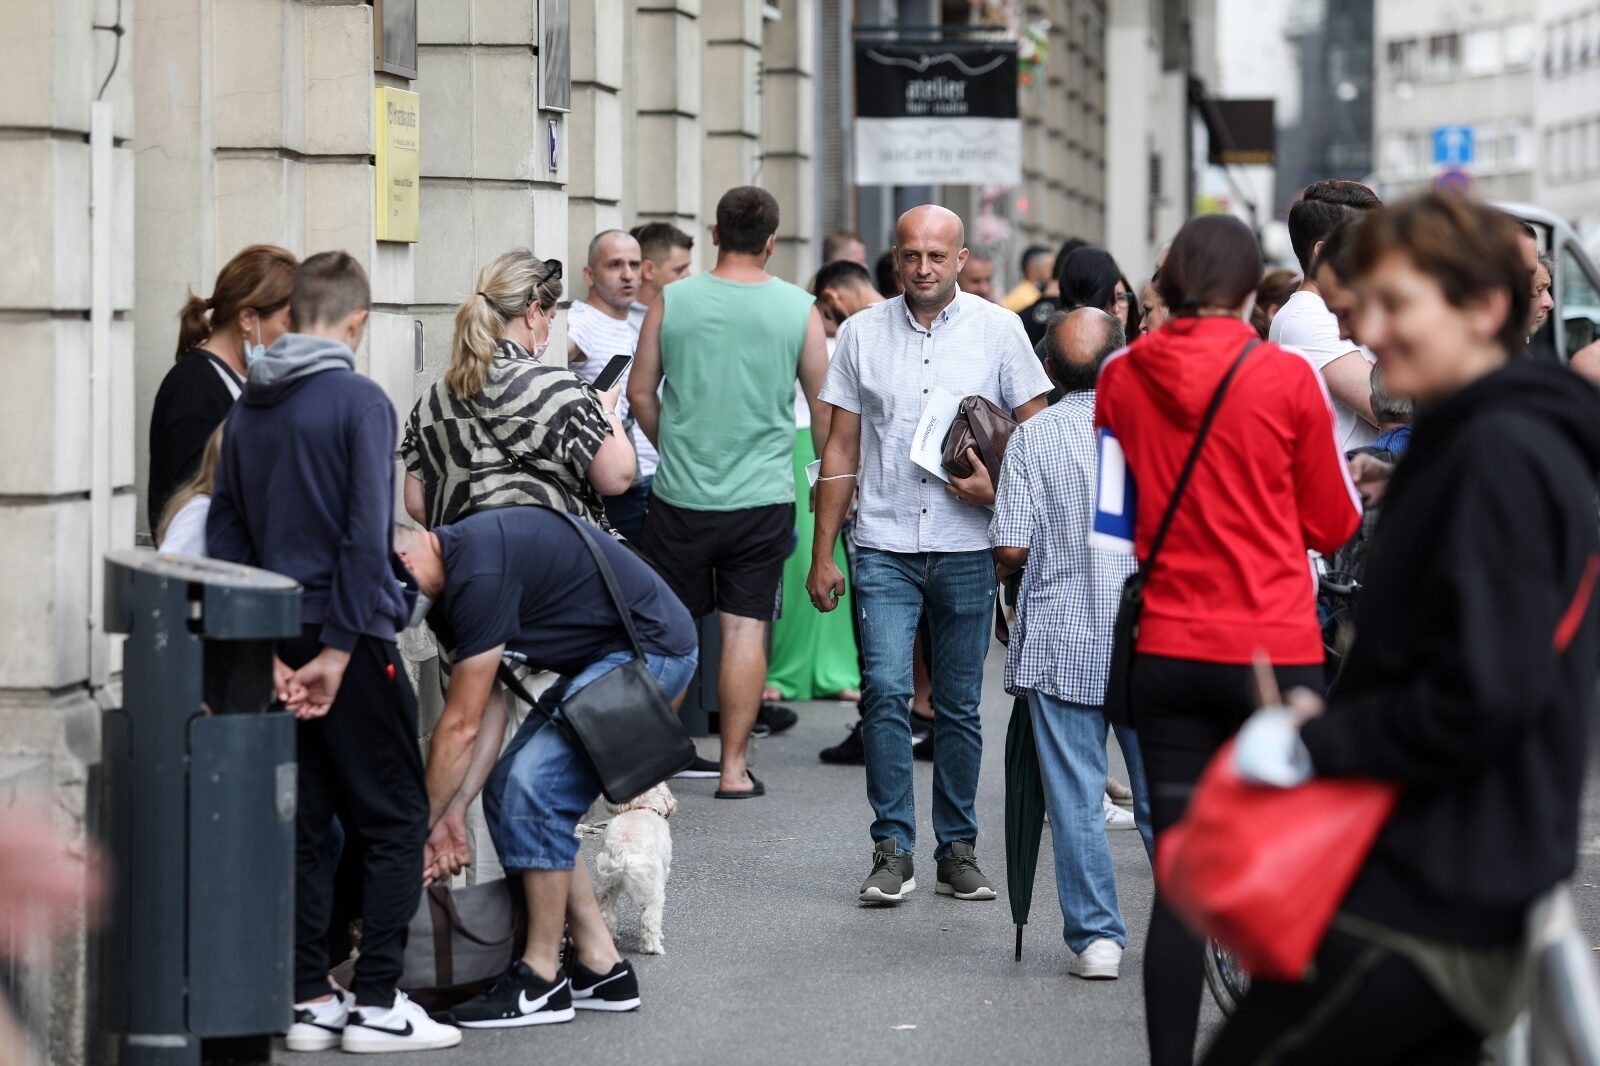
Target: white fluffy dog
(635, 860)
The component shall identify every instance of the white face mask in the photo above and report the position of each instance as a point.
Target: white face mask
(540, 347)
(253, 352)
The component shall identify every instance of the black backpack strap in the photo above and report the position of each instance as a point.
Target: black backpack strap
(1194, 456)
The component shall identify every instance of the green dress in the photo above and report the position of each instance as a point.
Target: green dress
(813, 654)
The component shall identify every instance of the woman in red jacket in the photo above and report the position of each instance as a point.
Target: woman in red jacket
(1232, 577)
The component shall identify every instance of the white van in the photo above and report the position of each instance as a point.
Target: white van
(1575, 322)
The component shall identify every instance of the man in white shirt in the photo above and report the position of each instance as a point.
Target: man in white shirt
(597, 329)
(1306, 325)
(920, 541)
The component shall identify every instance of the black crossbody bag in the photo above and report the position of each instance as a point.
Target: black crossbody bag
(621, 721)
(1125, 631)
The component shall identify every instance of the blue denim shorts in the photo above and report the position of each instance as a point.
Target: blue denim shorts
(542, 784)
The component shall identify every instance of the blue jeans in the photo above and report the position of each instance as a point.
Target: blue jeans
(891, 590)
(543, 784)
(1072, 758)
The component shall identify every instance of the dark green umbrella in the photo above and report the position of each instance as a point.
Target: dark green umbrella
(1024, 814)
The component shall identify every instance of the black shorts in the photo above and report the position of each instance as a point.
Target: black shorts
(730, 561)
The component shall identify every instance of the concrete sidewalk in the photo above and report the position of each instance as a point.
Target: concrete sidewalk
(770, 960)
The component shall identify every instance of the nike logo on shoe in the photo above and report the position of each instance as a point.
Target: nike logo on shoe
(528, 1006)
(407, 1030)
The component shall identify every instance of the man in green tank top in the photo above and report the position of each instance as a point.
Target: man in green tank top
(725, 349)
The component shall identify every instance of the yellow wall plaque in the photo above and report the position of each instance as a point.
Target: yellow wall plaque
(398, 170)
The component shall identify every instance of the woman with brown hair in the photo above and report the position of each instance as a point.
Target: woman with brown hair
(1473, 670)
(218, 339)
(501, 428)
(1273, 292)
(1268, 483)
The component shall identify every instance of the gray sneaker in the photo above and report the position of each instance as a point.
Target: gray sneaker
(892, 878)
(960, 877)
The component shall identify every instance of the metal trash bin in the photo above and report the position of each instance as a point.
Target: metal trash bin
(200, 805)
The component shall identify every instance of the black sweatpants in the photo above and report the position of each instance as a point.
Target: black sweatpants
(1362, 1004)
(1184, 711)
(361, 763)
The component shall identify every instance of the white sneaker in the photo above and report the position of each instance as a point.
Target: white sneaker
(1100, 961)
(403, 1027)
(320, 1026)
(1117, 817)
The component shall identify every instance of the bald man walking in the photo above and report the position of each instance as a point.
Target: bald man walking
(921, 543)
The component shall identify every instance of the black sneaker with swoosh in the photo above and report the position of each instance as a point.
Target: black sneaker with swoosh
(520, 997)
(616, 990)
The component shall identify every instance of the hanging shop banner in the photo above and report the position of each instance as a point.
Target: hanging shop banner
(937, 114)
(1241, 132)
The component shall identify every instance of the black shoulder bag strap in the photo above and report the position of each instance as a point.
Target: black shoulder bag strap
(607, 575)
(1194, 457)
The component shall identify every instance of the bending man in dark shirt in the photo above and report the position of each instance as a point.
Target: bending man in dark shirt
(518, 582)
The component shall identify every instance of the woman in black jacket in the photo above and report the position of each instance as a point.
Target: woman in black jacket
(218, 339)
(1473, 670)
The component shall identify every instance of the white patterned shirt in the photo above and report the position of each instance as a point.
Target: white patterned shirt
(599, 337)
(1061, 642)
(884, 368)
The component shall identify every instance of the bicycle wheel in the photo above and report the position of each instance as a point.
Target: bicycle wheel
(1228, 983)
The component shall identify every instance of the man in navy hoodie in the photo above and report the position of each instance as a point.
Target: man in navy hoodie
(306, 488)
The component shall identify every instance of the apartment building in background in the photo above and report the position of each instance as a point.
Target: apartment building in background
(1455, 91)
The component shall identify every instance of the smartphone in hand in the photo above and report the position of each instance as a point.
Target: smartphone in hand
(614, 370)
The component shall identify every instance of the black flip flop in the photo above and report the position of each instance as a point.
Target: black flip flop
(757, 789)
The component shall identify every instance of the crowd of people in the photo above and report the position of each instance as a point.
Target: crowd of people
(755, 462)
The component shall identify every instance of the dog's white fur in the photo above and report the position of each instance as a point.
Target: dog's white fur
(635, 861)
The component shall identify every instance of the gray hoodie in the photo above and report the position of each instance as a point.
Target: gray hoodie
(294, 357)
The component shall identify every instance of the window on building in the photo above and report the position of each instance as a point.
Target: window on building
(1444, 56)
(1520, 45)
(1481, 53)
(1404, 59)
(1519, 148)
(1486, 155)
(1393, 154)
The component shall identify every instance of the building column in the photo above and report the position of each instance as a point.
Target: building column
(594, 177)
(788, 124)
(66, 473)
(666, 159)
(731, 117)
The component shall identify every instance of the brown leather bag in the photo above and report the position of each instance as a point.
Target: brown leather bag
(983, 427)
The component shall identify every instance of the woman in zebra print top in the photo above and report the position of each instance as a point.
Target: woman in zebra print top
(501, 428)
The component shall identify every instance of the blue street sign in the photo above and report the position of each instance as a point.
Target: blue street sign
(1452, 146)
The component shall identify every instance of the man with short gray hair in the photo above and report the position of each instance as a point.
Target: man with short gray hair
(977, 277)
(921, 541)
(1060, 650)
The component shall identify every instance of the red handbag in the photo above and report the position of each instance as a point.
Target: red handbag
(1262, 870)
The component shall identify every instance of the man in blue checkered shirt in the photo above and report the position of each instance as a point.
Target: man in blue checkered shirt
(1060, 648)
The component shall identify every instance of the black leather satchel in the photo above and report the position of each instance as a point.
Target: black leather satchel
(621, 721)
(1125, 631)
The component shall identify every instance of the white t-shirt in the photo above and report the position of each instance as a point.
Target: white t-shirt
(1304, 324)
(599, 337)
(802, 409)
(186, 534)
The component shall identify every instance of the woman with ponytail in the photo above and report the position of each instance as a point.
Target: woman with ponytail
(501, 428)
(1232, 580)
(218, 338)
